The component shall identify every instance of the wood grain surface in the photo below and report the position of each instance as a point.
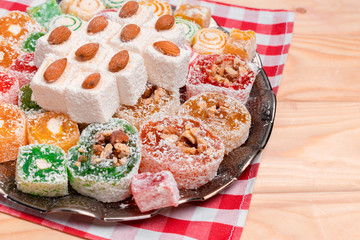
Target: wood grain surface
(308, 183)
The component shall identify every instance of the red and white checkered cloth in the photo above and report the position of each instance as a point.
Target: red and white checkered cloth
(221, 217)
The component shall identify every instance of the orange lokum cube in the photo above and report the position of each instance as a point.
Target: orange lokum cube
(52, 128)
(12, 131)
(8, 54)
(241, 43)
(199, 14)
(16, 26)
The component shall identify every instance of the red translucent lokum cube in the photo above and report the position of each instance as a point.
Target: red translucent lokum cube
(154, 190)
(9, 88)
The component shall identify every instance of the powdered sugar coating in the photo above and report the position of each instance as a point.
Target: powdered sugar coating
(138, 44)
(23, 68)
(43, 48)
(167, 71)
(226, 117)
(143, 15)
(9, 88)
(8, 54)
(190, 170)
(12, 131)
(32, 178)
(103, 36)
(131, 80)
(92, 105)
(175, 34)
(154, 190)
(51, 96)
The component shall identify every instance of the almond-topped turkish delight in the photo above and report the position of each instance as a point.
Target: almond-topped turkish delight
(12, 131)
(100, 29)
(226, 117)
(154, 103)
(167, 64)
(155, 190)
(183, 146)
(92, 97)
(134, 13)
(226, 74)
(88, 56)
(199, 14)
(84, 9)
(165, 27)
(52, 128)
(49, 83)
(241, 43)
(130, 74)
(132, 37)
(59, 41)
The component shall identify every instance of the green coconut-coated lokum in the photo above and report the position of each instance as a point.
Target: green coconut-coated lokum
(30, 43)
(41, 170)
(102, 164)
(45, 12)
(25, 103)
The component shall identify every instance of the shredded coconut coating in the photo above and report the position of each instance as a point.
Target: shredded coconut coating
(12, 131)
(41, 170)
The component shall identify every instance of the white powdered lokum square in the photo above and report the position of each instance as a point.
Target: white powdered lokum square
(175, 34)
(131, 80)
(43, 47)
(138, 44)
(166, 71)
(144, 14)
(51, 96)
(96, 104)
(92, 64)
(103, 36)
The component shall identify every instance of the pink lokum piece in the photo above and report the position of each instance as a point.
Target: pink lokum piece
(9, 88)
(23, 68)
(155, 190)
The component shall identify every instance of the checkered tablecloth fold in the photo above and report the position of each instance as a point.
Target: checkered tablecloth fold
(221, 217)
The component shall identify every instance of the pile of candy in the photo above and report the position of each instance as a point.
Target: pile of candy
(91, 96)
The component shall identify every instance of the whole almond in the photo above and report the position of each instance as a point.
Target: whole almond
(87, 51)
(54, 71)
(129, 9)
(97, 24)
(167, 48)
(59, 35)
(165, 22)
(91, 81)
(119, 61)
(129, 32)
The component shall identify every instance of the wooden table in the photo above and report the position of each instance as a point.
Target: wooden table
(308, 183)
